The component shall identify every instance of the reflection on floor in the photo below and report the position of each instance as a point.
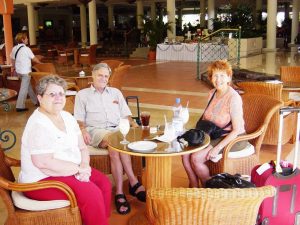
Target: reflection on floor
(158, 84)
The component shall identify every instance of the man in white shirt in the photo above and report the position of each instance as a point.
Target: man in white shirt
(98, 110)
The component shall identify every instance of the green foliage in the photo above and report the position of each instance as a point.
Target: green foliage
(234, 17)
(155, 31)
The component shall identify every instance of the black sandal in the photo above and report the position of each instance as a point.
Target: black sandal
(141, 195)
(120, 204)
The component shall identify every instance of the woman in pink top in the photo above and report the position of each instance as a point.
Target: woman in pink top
(225, 107)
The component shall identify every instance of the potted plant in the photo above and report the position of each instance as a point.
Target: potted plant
(155, 32)
(240, 15)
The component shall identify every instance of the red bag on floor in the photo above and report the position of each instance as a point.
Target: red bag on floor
(284, 207)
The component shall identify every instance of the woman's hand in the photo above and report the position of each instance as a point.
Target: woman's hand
(84, 173)
(213, 153)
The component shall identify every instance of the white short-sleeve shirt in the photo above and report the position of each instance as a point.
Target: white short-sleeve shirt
(41, 136)
(100, 110)
(24, 57)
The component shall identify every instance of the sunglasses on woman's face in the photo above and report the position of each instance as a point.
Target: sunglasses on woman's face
(53, 95)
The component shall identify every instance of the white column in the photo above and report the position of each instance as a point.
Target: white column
(31, 23)
(271, 25)
(202, 13)
(153, 10)
(171, 19)
(295, 21)
(211, 13)
(139, 13)
(258, 8)
(110, 12)
(93, 22)
(83, 24)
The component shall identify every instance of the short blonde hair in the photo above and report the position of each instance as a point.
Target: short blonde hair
(219, 65)
(20, 37)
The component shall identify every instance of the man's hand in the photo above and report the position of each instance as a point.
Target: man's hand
(86, 136)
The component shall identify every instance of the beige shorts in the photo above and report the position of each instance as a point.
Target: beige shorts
(236, 147)
(97, 135)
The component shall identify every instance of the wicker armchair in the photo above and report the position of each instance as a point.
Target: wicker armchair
(113, 63)
(117, 78)
(16, 216)
(64, 55)
(45, 67)
(290, 73)
(203, 206)
(258, 110)
(275, 91)
(88, 56)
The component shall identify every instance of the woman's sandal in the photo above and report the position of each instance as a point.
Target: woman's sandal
(141, 195)
(120, 204)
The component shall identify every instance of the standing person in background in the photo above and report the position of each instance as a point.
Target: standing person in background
(21, 56)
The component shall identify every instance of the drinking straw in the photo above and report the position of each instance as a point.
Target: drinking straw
(165, 118)
(187, 104)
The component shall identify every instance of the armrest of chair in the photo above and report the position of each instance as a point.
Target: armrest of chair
(22, 187)
(12, 162)
(244, 137)
(289, 102)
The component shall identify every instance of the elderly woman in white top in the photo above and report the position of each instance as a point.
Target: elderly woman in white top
(53, 149)
(21, 57)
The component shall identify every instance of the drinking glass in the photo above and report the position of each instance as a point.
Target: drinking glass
(170, 135)
(184, 115)
(145, 119)
(124, 127)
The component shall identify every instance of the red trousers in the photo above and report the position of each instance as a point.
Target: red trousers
(93, 197)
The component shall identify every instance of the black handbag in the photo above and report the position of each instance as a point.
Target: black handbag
(212, 129)
(192, 137)
(226, 180)
(209, 127)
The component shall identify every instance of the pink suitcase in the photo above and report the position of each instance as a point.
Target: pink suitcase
(284, 207)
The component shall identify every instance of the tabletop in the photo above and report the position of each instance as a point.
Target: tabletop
(139, 134)
(6, 94)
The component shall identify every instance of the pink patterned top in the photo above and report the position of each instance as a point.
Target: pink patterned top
(221, 110)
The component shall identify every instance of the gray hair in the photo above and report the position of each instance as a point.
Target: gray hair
(49, 79)
(102, 65)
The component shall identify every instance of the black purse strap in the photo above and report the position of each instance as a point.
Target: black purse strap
(213, 95)
(18, 51)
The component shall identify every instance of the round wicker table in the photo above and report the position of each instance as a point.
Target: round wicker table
(158, 161)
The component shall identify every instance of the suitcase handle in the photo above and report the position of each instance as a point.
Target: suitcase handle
(279, 146)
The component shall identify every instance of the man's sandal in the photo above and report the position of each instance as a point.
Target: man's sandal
(120, 204)
(141, 195)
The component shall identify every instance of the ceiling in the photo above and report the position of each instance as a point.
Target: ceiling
(185, 3)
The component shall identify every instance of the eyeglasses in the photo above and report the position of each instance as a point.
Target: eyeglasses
(53, 95)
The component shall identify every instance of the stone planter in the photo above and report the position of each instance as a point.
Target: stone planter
(248, 46)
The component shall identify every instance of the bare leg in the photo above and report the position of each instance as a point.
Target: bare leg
(126, 162)
(116, 170)
(193, 178)
(198, 160)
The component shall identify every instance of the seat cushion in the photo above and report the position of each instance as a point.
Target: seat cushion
(22, 202)
(247, 151)
(97, 151)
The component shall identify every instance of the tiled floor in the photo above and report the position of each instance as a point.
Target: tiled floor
(158, 84)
